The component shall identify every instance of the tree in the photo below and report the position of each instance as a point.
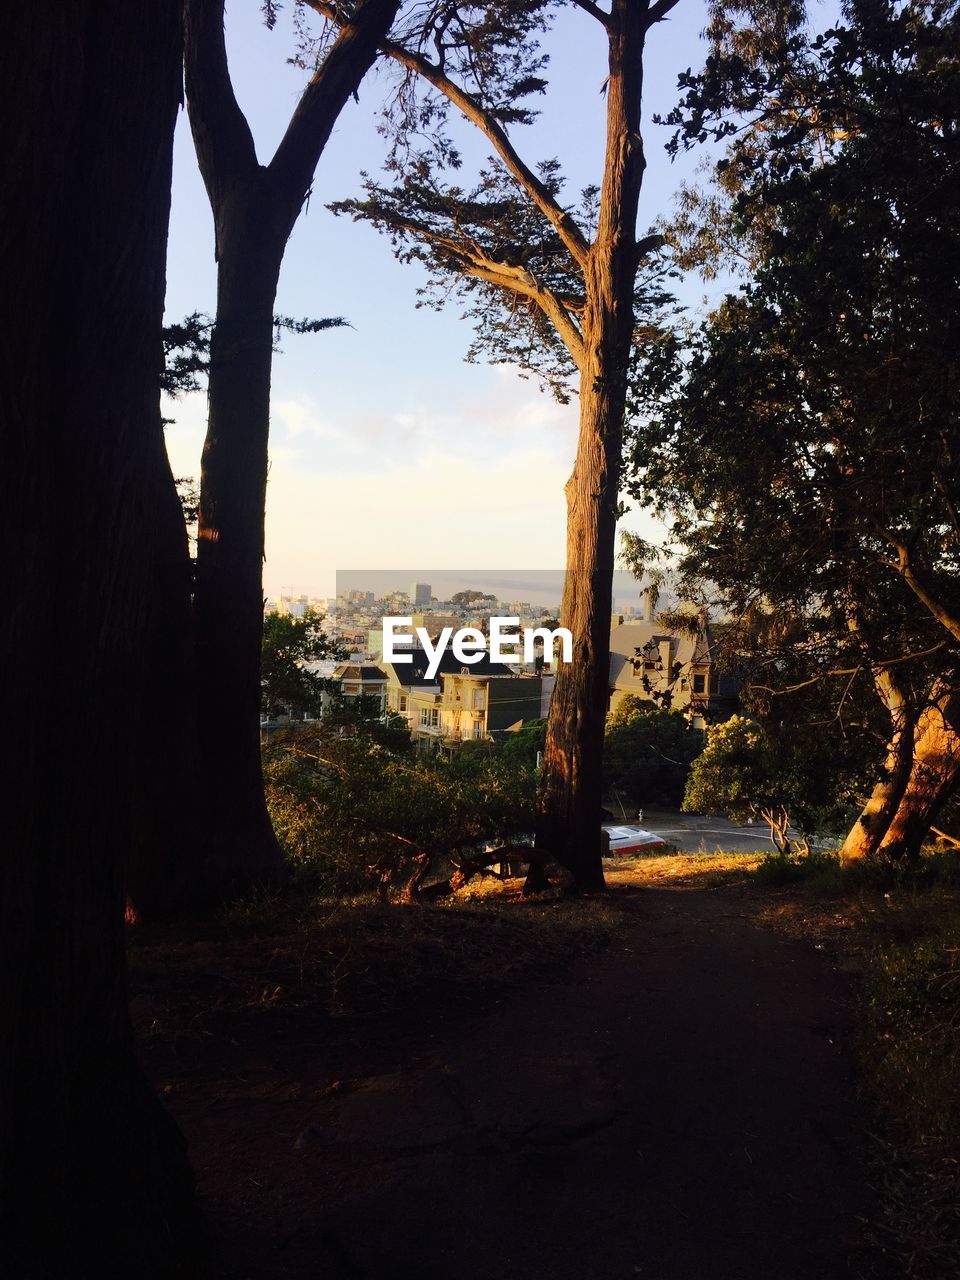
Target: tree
(525, 746)
(354, 807)
(93, 1174)
(741, 774)
(289, 645)
(829, 360)
(553, 289)
(464, 599)
(254, 207)
(647, 752)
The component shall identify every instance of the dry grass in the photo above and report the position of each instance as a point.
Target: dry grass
(288, 964)
(700, 870)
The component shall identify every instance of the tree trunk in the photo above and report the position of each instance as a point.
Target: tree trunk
(411, 889)
(228, 600)
(255, 208)
(93, 1175)
(572, 785)
(934, 778)
(568, 827)
(871, 826)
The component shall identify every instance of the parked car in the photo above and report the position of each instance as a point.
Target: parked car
(626, 840)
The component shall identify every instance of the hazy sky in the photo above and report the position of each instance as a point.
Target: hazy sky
(387, 450)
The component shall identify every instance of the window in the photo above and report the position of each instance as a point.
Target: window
(478, 699)
(700, 684)
(429, 717)
(403, 702)
(478, 728)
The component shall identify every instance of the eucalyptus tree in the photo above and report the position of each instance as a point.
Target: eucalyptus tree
(811, 453)
(255, 207)
(93, 1174)
(564, 290)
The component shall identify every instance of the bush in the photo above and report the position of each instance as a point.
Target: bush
(647, 752)
(353, 808)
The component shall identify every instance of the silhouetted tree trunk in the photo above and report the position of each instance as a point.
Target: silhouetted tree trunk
(93, 1174)
(255, 207)
(568, 828)
(934, 777)
(871, 826)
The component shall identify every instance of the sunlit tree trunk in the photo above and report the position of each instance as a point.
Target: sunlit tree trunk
(570, 800)
(93, 1174)
(934, 777)
(871, 826)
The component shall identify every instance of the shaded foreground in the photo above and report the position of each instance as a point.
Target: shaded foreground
(676, 1103)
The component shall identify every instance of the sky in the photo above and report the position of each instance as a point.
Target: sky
(387, 450)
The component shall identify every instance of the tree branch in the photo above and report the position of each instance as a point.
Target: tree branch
(339, 76)
(657, 12)
(504, 275)
(224, 144)
(904, 566)
(594, 11)
(566, 227)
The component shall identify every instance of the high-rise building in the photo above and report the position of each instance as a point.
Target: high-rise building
(422, 593)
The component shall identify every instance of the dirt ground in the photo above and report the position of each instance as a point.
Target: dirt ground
(679, 1103)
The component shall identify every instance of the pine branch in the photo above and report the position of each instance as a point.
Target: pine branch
(472, 260)
(565, 225)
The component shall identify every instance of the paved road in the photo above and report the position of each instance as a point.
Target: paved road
(695, 833)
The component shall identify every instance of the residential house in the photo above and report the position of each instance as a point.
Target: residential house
(677, 670)
(361, 680)
(460, 703)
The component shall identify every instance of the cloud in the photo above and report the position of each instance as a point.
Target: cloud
(445, 486)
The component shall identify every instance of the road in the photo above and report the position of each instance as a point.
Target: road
(696, 833)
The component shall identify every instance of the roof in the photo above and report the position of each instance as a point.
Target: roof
(413, 674)
(364, 671)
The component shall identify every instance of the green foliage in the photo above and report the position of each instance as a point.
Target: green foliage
(647, 752)
(745, 772)
(735, 774)
(803, 444)
(352, 805)
(287, 686)
(523, 747)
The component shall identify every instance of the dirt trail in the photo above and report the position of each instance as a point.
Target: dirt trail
(678, 1105)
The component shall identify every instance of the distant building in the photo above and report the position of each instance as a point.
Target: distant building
(421, 593)
(432, 623)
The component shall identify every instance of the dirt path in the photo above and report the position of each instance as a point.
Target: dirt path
(678, 1105)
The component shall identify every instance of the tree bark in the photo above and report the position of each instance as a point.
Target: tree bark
(93, 1175)
(934, 777)
(228, 601)
(255, 208)
(411, 889)
(568, 828)
(871, 826)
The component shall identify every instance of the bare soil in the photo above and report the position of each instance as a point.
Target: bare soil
(678, 1104)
